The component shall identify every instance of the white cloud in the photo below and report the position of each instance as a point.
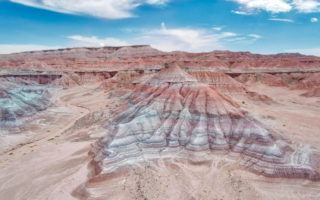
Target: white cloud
(238, 12)
(245, 39)
(307, 6)
(255, 36)
(171, 39)
(217, 28)
(278, 6)
(78, 40)
(222, 35)
(15, 48)
(314, 20)
(187, 39)
(274, 6)
(110, 9)
(309, 51)
(162, 38)
(282, 20)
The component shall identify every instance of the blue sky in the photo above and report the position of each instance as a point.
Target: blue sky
(262, 26)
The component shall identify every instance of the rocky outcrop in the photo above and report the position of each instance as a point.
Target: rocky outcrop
(21, 100)
(307, 81)
(296, 81)
(172, 115)
(264, 78)
(122, 79)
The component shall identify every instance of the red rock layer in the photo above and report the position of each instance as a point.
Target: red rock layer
(267, 79)
(292, 80)
(115, 58)
(307, 81)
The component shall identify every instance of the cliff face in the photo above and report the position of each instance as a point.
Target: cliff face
(146, 57)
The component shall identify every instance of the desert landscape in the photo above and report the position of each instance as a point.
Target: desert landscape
(134, 122)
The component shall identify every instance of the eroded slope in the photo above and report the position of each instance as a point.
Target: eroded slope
(19, 100)
(172, 112)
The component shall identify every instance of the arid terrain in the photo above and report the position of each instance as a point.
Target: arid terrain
(122, 123)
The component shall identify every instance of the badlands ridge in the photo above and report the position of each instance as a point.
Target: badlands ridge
(137, 123)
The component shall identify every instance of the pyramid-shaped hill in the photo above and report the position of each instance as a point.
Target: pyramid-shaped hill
(173, 112)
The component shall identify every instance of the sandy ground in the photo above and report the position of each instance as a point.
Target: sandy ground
(51, 160)
(294, 117)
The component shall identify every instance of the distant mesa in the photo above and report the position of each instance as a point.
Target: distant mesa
(144, 56)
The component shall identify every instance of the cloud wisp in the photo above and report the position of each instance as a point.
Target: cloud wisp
(278, 6)
(282, 20)
(314, 20)
(109, 9)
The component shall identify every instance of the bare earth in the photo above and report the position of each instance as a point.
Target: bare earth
(63, 153)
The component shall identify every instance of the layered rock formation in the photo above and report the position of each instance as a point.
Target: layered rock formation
(267, 79)
(19, 100)
(297, 80)
(122, 79)
(172, 115)
(142, 57)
